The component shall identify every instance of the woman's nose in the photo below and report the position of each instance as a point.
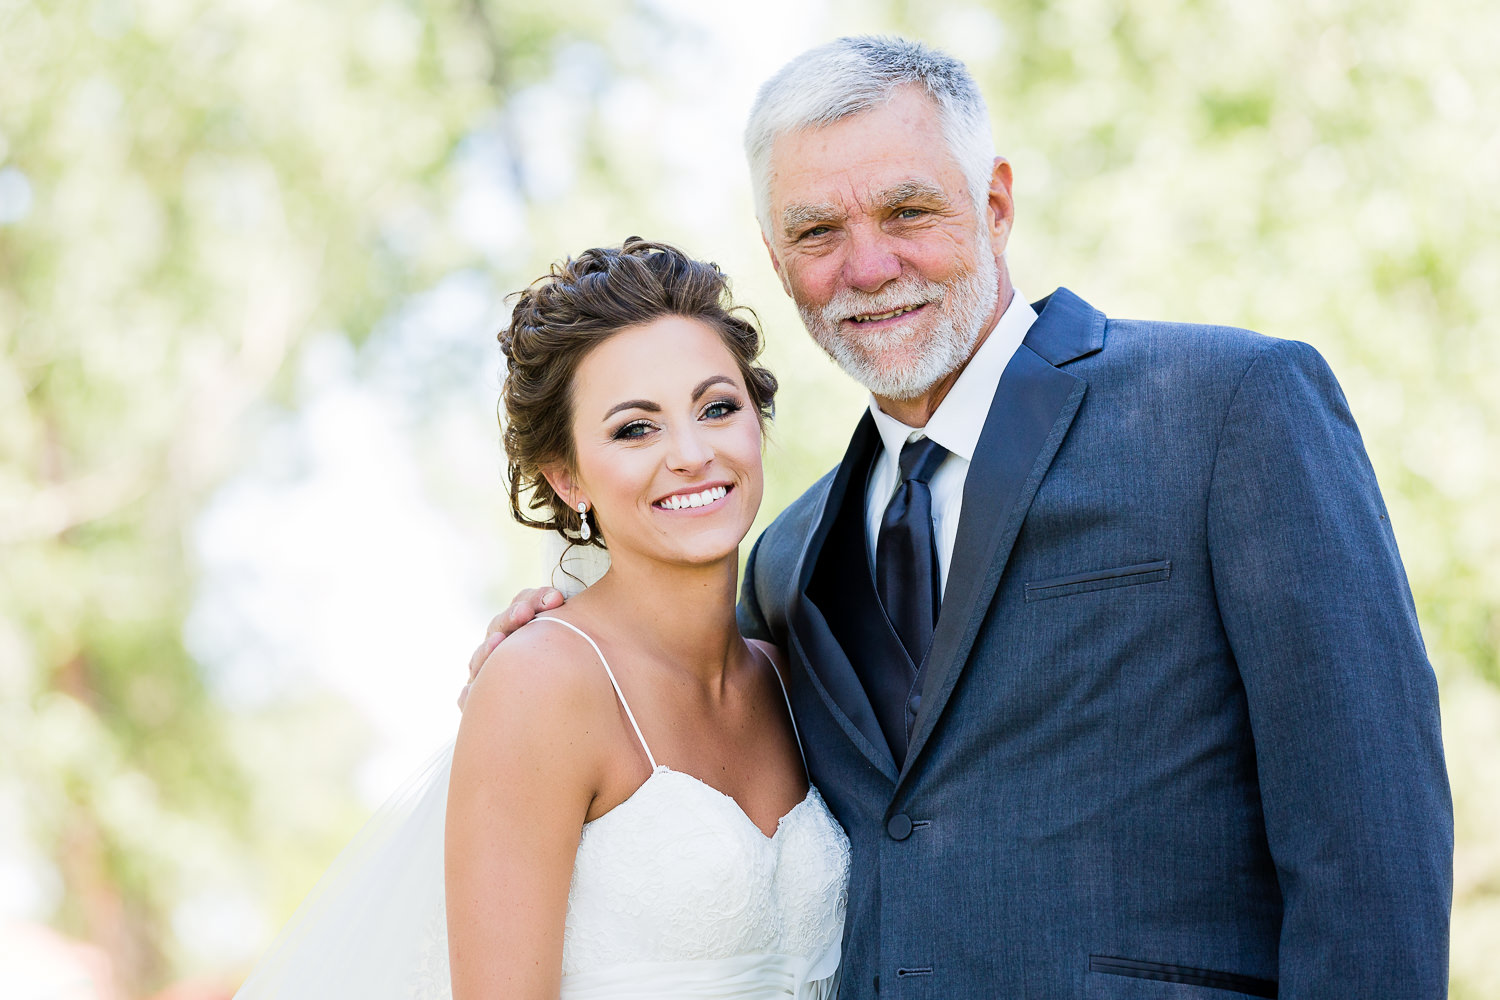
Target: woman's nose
(688, 449)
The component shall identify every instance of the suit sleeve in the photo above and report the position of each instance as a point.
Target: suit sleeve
(1342, 700)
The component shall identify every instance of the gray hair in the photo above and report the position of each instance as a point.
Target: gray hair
(860, 73)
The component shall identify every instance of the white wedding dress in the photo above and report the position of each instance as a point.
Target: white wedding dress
(676, 895)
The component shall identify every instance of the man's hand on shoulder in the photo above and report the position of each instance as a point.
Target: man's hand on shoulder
(525, 606)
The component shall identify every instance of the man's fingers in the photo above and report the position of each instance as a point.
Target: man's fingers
(517, 614)
(503, 623)
(482, 653)
(526, 605)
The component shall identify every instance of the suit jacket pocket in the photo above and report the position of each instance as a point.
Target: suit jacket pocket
(1102, 579)
(1103, 968)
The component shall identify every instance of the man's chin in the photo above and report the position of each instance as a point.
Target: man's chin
(899, 384)
(906, 375)
(904, 371)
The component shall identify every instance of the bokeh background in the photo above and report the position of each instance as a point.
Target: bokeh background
(253, 254)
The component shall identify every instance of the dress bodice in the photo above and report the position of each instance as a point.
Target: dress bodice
(678, 873)
(676, 891)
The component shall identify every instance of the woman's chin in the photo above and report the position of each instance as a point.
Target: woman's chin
(705, 549)
(706, 554)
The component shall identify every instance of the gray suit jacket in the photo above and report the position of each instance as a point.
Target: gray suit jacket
(1177, 734)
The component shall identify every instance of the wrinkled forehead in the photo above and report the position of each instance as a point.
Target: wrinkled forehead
(863, 162)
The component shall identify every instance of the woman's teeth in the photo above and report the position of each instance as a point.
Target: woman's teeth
(680, 500)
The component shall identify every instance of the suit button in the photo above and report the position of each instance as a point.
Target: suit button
(914, 704)
(899, 827)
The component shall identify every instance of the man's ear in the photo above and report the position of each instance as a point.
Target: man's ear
(1001, 206)
(775, 262)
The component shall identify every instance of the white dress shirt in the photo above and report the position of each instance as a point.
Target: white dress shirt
(956, 426)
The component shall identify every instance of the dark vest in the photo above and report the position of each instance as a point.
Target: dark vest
(843, 590)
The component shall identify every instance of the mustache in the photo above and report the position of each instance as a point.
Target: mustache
(908, 291)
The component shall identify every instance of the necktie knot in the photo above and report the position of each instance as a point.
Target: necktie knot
(920, 459)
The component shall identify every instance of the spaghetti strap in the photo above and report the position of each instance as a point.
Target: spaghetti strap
(616, 684)
(789, 713)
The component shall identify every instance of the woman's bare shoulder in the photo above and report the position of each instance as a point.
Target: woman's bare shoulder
(544, 682)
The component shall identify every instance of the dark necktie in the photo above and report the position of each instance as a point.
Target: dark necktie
(906, 569)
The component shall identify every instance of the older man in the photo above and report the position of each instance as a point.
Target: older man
(1103, 651)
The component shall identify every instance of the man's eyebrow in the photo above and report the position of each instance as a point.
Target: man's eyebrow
(633, 404)
(911, 191)
(709, 383)
(795, 218)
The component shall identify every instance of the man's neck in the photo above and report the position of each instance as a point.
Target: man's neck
(918, 410)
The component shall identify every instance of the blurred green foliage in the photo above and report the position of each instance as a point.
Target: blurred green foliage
(190, 190)
(194, 188)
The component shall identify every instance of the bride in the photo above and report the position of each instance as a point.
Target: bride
(627, 808)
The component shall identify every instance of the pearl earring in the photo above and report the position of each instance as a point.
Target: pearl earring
(584, 531)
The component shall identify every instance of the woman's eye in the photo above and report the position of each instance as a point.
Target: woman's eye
(631, 431)
(721, 408)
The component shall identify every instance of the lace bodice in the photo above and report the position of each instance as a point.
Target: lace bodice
(679, 872)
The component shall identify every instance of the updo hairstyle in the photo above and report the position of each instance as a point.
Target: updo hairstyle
(580, 303)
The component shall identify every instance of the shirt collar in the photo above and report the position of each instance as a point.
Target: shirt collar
(960, 417)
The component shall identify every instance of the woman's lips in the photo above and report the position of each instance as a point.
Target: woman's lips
(693, 500)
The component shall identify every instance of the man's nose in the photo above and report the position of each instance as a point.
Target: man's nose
(870, 260)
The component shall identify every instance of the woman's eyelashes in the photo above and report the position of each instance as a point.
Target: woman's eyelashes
(718, 409)
(632, 431)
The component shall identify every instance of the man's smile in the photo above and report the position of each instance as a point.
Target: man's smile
(892, 314)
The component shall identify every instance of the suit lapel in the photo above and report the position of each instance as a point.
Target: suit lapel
(835, 682)
(1033, 408)
(829, 670)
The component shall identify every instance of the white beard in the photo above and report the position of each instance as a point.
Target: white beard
(965, 305)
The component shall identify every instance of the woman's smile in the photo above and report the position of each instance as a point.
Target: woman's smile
(694, 499)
